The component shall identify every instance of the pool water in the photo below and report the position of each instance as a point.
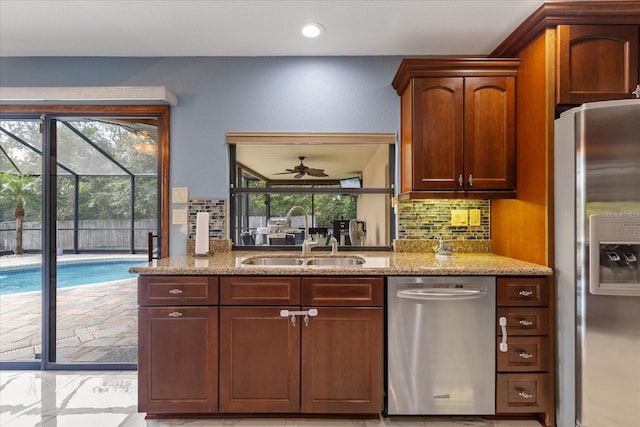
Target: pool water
(71, 274)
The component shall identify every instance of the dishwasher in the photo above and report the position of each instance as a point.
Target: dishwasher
(441, 345)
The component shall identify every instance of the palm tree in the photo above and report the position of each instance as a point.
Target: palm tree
(23, 190)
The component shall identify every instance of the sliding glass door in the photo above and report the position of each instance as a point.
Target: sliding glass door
(21, 240)
(100, 196)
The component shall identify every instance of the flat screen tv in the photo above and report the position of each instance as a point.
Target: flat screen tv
(354, 182)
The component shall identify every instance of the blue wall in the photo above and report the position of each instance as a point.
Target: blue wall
(217, 95)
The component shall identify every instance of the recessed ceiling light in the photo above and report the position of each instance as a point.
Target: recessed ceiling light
(312, 30)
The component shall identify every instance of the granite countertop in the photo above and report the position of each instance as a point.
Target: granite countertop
(376, 263)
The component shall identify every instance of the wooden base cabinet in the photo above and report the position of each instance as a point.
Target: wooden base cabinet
(259, 361)
(524, 371)
(178, 344)
(342, 361)
(318, 351)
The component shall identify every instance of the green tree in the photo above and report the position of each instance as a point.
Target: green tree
(22, 191)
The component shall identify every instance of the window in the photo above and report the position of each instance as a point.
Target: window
(342, 181)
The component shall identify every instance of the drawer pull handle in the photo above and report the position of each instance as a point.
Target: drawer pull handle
(525, 293)
(175, 291)
(525, 395)
(175, 314)
(525, 355)
(503, 327)
(525, 322)
(470, 180)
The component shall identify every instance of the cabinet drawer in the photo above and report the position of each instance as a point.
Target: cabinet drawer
(177, 290)
(259, 290)
(523, 291)
(342, 291)
(524, 354)
(522, 393)
(524, 320)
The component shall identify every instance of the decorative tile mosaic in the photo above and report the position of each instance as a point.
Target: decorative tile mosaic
(217, 219)
(431, 219)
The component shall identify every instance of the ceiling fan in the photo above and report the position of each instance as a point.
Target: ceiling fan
(302, 170)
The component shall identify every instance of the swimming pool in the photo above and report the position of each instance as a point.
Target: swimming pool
(25, 279)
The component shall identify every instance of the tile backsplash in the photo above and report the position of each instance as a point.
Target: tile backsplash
(217, 218)
(431, 219)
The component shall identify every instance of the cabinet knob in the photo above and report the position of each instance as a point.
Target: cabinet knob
(526, 395)
(460, 180)
(525, 355)
(470, 180)
(637, 91)
(525, 322)
(175, 291)
(175, 314)
(525, 293)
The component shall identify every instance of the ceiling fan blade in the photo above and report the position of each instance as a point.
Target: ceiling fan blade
(287, 171)
(316, 172)
(300, 175)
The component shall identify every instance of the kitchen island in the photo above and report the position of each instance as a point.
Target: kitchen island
(230, 334)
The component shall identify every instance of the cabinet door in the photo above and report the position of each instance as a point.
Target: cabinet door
(489, 133)
(342, 361)
(259, 360)
(596, 62)
(437, 133)
(178, 359)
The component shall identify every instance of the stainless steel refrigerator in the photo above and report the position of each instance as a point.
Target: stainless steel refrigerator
(597, 264)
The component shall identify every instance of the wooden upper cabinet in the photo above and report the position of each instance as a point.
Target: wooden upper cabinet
(457, 127)
(596, 62)
(437, 132)
(489, 141)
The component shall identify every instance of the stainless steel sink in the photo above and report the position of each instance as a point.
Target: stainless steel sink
(270, 260)
(337, 261)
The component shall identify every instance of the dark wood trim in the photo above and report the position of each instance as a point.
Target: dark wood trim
(445, 66)
(551, 14)
(159, 111)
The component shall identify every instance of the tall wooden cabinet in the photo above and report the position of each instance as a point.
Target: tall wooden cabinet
(597, 63)
(457, 127)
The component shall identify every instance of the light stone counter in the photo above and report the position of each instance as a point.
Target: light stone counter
(376, 263)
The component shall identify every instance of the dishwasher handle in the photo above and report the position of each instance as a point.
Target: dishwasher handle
(441, 294)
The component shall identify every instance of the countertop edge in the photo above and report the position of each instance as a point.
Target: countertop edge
(377, 264)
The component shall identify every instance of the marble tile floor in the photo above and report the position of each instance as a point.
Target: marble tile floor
(109, 399)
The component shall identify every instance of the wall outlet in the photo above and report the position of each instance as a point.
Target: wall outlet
(474, 217)
(459, 217)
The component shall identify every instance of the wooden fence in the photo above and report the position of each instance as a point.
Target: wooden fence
(92, 234)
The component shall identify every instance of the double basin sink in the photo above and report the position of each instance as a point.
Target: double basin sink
(278, 261)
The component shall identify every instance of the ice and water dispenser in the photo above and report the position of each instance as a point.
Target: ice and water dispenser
(614, 254)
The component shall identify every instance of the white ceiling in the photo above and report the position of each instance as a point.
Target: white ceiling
(257, 28)
(337, 161)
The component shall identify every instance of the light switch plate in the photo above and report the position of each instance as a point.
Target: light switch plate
(179, 195)
(474, 217)
(459, 217)
(179, 216)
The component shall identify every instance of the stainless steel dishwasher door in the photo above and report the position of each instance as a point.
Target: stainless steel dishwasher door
(441, 345)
